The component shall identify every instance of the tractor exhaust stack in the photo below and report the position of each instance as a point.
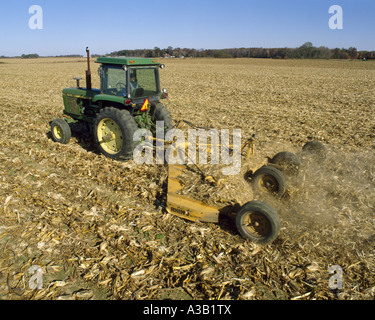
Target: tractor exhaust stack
(88, 71)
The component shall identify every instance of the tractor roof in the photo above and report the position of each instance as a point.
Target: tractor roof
(128, 61)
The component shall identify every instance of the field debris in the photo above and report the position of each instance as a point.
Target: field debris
(97, 228)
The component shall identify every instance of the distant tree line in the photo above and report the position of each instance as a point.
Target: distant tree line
(306, 51)
(69, 56)
(30, 56)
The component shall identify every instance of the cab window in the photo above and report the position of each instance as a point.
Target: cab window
(114, 81)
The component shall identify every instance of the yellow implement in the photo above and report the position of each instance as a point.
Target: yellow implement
(183, 206)
(192, 209)
(255, 220)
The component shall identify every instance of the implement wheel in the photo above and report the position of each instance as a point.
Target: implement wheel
(113, 132)
(315, 147)
(60, 131)
(287, 161)
(269, 179)
(258, 222)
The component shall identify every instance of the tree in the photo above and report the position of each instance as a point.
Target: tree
(30, 56)
(307, 45)
(157, 52)
(306, 50)
(149, 54)
(222, 54)
(353, 54)
(169, 50)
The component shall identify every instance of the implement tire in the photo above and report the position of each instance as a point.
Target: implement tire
(315, 147)
(113, 133)
(269, 179)
(287, 161)
(258, 222)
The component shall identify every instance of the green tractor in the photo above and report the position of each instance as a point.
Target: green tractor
(129, 98)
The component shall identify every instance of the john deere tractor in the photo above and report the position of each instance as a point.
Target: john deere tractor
(129, 98)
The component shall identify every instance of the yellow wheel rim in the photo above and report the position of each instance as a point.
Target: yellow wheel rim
(57, 132)
(256, 224)
(110, 136)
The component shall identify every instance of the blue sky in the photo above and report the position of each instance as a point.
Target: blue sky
(111, 25)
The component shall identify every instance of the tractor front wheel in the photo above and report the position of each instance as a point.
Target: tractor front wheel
(60, 131)
(113, 133)
(258, 222)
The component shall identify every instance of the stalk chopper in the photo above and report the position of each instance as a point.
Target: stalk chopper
(130, 97)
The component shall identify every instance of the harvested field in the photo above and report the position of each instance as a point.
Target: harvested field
(98, 228)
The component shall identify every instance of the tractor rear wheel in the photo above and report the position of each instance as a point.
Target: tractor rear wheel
(162, 114)
(113, 133)
(60, 131)
(258, 222)
(269, 179)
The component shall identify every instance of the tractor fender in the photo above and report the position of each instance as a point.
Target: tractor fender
(109, 98)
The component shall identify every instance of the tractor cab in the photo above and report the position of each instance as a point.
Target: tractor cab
(134, 79)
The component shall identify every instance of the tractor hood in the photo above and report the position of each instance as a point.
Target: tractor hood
(81, 93)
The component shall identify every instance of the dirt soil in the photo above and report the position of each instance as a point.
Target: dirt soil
(98, 228)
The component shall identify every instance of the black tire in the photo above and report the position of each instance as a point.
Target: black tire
(113, 133)
(162, 114)
(287, 162)
(315, 147)
(269, 179)
(258, 222)
(60, 131)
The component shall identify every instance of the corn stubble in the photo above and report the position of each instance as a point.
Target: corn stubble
(97, 227)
